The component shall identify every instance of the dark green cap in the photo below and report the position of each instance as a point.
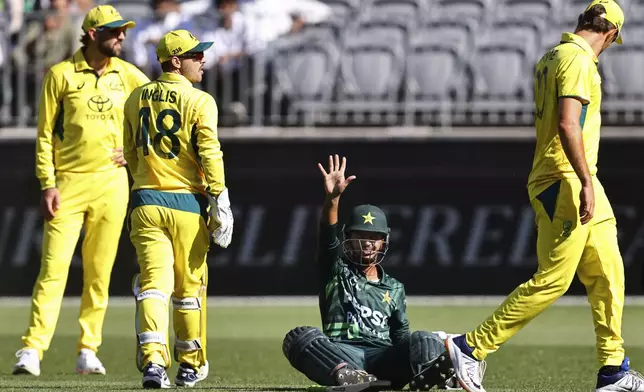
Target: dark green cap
(368, 218)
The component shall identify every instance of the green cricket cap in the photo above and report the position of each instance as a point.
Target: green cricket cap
(370, 218)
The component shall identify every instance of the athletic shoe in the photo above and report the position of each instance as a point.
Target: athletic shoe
(28, 362)
(187, 376)
(625, 380)
(155, 377)
(469, 371)
(88, 363)
(348, 376)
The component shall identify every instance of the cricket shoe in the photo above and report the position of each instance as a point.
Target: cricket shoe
(187, 376)
(469, 371)
(155, 377)
(88, 363)
(626, 380)
(348, 376)
(28, 362)
(451, 385)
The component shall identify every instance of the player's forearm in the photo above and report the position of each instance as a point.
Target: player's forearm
(45, 170)
(572, 142)
(330, 210)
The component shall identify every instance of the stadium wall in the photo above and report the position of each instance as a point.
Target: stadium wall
(458, 208)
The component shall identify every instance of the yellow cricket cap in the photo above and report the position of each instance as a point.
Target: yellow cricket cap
(614, 15)
(105, 16)
(178, 42)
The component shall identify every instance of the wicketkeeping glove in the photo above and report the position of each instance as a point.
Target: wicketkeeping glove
(221, 219)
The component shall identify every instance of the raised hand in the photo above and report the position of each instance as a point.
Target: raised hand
(334, 181)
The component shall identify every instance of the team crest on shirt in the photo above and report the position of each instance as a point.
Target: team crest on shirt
(116, 86)
(567, 228)
(386, 297)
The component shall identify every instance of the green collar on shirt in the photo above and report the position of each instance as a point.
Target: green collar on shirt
(577, 40)
(174, 78)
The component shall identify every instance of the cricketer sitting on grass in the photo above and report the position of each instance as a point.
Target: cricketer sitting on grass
(366, 332)
(577, 231)
(80, 165)
(177, 164)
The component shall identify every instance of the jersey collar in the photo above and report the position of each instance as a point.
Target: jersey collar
(171, 77)
(577, 40)
(80, 64)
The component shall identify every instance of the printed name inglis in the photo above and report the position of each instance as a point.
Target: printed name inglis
(158, 95)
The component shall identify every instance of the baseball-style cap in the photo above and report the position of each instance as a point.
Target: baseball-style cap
(614, 15)
(178, 42)
(370, 218)
(105, 16)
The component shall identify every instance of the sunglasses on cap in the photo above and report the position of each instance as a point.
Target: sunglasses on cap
(198, 56)
(114, 31)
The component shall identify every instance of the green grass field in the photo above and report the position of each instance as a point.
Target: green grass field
(554, 353)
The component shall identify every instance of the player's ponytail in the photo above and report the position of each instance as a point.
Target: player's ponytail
(592, 20)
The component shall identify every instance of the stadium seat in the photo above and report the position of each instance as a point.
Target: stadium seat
(304, 71)
(502, 78)
(552, 36)
(413, 9)
(516, 31)
(542, 9)
(134, 10)
(435, 74)
(570, 10)
(371, 73)
(461, 9)
(633, 32)
(623, 80)
(344, 8)
(386, 27)
(459, 34)
(635, 11)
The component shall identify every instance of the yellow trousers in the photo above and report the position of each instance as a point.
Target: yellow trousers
(565, 247)
(171, 247)
(97, 203)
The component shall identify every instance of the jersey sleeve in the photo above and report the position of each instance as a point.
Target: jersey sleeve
(399, 324)
(328, 250)
(208, 147)
(129, 136)
(573, 78)
(50, 121)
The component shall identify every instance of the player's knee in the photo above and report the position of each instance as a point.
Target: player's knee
(298, 339)
(556, 287)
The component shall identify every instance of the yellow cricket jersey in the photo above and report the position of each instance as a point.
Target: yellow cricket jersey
(171, 142)
(567, 70)
(80, 119)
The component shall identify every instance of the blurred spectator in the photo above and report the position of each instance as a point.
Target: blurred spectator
(228, 74)
(78, 11)
(47, 42)
(274, 18)
(168, 16)
(232, 38)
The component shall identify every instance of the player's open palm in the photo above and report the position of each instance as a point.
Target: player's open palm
(334, 180)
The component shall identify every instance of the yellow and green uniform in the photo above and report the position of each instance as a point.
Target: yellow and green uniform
(565, 247)
(175, 159)
(80, 123)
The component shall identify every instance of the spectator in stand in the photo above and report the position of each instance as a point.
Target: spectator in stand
(275, 18)
(168, 17)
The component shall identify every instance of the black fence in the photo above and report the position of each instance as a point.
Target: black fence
(460, 217)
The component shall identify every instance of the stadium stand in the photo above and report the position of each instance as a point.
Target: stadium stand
(378, 62)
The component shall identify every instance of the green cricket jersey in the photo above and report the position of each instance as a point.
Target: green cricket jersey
(353, 309)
